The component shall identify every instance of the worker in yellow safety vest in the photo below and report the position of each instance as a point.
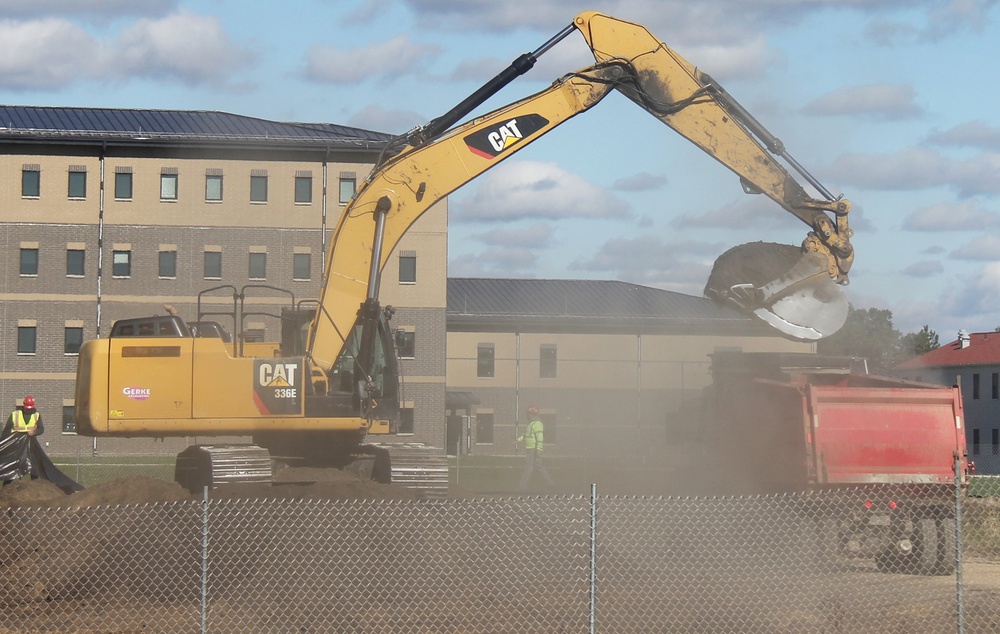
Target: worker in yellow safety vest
(533, 440)
(24, 420)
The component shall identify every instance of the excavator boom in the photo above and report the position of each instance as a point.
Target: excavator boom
(427, 164)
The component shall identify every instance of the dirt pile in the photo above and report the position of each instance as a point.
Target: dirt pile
(289, 484)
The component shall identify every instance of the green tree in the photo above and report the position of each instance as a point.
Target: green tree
(868, 333)
(915, 344)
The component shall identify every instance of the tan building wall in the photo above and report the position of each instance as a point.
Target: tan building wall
(612, 394)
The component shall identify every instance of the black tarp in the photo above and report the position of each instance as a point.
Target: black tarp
(21, 455)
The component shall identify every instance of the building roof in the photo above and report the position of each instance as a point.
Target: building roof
(983, 348)
(43, 124)
(600, 304)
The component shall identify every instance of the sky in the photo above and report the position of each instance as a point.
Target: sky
(890, 103)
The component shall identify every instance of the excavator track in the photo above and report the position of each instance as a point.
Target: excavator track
(201, 466)
(419, 467)
(415, 466)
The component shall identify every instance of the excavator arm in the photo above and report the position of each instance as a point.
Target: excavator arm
(420, 168)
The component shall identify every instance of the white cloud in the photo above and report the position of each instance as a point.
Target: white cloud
(648, 260)
(640, 182)
(47, 54)
(925, 268)
(975, 134)
(394, 57)
(494, 262)
(62, 8)
(880, 101)
(535, 236)
(916, 169)
(968, 215)
(393, 121)
(53, 53)
(186, 46)
(985, 247)
(537, 190)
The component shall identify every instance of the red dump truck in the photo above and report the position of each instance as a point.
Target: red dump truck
(878, 454)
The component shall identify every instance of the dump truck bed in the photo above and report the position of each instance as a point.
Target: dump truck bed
(904, 434)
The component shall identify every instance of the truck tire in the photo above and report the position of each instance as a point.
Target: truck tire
(947, 554)
(936, 546)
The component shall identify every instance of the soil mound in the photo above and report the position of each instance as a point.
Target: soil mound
(289, 484)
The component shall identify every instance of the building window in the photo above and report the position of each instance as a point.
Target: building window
(484, 428)
(407, 268)
(168, 184)
(168, 263)
(26, 337)
(77, 182)
(301, 266)
(69, 419)
(975, 386)
(995, 441)
(547, 361)
(123, 185)
(29, 261)
(121, 263)
(213, 265)
(406, 344)
(485, 361)
(213, 187)
(31, 181)
(348, 185)
(258, 266)
(73, 339)
(303, 189)
(405, 420)
(258, 188)
(75, 259)
(995, 391)
(975, 442)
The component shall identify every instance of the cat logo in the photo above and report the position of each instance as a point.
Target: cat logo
(492, 142)
(276, 375)
(277, 390)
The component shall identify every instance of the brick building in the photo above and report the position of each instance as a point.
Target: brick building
(109, 213)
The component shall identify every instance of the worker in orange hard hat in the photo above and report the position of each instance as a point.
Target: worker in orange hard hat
(533, 441)
(23, 420)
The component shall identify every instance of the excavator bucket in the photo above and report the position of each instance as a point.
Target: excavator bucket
(789, 289)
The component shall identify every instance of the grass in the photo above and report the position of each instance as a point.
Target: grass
(92, 470)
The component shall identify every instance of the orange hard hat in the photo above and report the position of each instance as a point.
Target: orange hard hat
(29, 402)
(532, 409)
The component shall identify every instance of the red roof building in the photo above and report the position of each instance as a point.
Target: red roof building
(973, 362)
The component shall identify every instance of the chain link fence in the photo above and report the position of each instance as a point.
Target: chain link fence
(874, 559)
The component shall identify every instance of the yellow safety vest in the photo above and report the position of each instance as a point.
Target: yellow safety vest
(533, 435)
(22, 426)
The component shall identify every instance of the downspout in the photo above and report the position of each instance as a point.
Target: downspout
(100, 238)
(517, 382)
(100, 256)
(638, 393)
(322, 224)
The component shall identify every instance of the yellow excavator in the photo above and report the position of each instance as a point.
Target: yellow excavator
(316, 397)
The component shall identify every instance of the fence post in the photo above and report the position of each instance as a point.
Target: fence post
(593, 557)
(204, 560)
(959, 598)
